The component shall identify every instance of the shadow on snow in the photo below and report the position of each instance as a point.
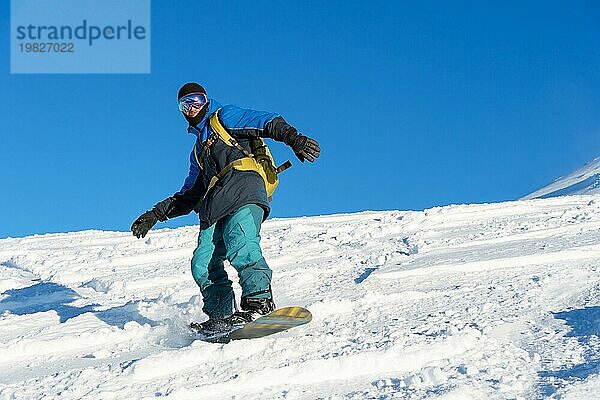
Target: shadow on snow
(585, 327)
(50, 296)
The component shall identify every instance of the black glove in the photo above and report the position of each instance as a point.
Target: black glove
(142, 225)
(305, 148)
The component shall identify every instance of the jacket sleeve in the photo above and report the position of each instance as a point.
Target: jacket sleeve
(184, 201)
(242, 122)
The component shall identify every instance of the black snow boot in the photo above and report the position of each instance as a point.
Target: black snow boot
(252, 309)
(260, 306)
(212, 326)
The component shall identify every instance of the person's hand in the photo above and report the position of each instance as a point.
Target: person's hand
(305, 148)
(142, 225)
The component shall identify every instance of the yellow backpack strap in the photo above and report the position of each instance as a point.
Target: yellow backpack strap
(243, 164)
(196, 157)
(220, 130)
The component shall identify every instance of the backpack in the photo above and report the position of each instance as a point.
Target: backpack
(259, 159)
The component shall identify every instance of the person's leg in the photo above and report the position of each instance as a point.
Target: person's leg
(209, 273)
(241, 233)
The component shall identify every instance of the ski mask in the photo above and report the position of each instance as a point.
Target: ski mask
(193, 87)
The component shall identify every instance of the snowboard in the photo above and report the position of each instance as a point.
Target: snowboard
(276, 321)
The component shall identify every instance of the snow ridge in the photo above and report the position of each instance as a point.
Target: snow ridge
(585, 180)
(490, 301)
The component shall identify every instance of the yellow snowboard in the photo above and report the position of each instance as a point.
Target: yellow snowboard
(279, 320)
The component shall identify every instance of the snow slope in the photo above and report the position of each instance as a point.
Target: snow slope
(491, 301)
(585, 180)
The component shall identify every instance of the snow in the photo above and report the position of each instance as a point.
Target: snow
(488, 301)
(585, 180)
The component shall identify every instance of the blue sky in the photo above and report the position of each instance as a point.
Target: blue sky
(415, 104)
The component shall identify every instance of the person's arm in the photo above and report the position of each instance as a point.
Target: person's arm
(184, 201)
(181, 203)
(242, 122)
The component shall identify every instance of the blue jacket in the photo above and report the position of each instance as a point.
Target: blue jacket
(236, 188)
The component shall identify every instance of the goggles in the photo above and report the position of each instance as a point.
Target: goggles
(192, 103)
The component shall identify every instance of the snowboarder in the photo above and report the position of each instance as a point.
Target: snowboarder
(231, 203)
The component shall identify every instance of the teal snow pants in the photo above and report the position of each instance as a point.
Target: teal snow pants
(235, 237)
